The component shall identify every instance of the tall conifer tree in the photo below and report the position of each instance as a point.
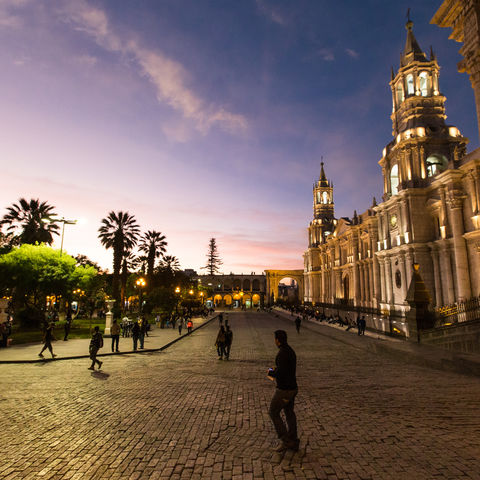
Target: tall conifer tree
(213, 258)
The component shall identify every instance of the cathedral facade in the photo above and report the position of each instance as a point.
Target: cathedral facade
(430, 213)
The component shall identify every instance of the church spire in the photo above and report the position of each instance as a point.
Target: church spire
(323, 178)
(412, 51)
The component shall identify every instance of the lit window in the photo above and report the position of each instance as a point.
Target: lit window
(410, 86)
(436, 164)
(394, 180)
(319, 197)
(325, 198)
(399, 91)
(423, 83)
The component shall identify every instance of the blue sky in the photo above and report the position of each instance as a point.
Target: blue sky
(206, 118)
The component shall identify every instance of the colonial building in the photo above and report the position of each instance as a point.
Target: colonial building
(234, 290)
(430, 213)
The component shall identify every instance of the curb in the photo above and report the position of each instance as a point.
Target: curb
(426, 356)
(131, 352)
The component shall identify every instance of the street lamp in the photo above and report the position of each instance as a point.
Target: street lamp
(62, 220)
(177, 293)
(141, 284)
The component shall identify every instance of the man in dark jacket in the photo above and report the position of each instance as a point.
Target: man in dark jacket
(284, 398)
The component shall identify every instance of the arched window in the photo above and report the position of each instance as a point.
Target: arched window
(410, 85)
(424, 87)
(319, 197)
(325, 198)
(436, 163)
(394, 180)
(399, 93)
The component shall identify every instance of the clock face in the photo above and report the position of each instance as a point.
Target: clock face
(393, 221)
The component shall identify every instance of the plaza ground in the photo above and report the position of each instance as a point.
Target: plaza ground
(182, 414)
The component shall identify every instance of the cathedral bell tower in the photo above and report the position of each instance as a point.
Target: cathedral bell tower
(323, 221)
(423, 145)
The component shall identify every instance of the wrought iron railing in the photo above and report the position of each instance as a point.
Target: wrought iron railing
(465, 311)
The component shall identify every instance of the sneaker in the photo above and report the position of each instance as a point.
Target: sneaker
(100, 365)
(40, 355)
(53, 355)
(91, 368)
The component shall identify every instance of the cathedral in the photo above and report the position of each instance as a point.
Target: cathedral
(429, 214)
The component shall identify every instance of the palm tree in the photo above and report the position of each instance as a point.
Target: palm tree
(34, 219)
(130, 263)
(170, 263)
(119, 231)
(153, 245)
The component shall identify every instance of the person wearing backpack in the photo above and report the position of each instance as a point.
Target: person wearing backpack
(96, 343)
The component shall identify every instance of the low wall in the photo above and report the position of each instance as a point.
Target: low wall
(460, 337)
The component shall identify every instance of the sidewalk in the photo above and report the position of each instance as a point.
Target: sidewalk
(158, 339)
(408, 352)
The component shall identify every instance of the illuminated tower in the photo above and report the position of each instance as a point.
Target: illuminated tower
(423, 144)
(323, 211)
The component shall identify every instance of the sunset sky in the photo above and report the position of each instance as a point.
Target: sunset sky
(206, 118)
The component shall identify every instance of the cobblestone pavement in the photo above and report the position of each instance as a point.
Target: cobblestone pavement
(182, 414)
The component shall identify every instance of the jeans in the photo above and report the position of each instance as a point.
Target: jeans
(284, 400)
(135, 341)
(115, 340)
(142, 339)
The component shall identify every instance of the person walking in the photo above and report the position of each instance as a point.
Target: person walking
(115, 332)
(189, 325)
(363, 325)
(96, 343)
(135, 335)
(143, 331)
(228, 341)
(298, 322)
(284, 374)
(180, 325)
(68, 324)
(220, 343)
(48, 336)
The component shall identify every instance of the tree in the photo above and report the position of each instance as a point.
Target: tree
(83, 261)
(153, 245)
(34, 219)
(31, 272)
(170, 263)
(119, 231)
(213, 258)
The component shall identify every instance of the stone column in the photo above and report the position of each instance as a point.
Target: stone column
(449, 287)
(389, 280)
(382, 290)
(109, 318)
(403, 270)
(437, 277)
(459, 246)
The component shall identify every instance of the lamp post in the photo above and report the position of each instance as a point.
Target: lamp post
(62, 220)
(177, 293)
(141, 284)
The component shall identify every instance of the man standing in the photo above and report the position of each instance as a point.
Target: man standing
(96, 343)
(284, 397)
(68, 324)
(115, 332)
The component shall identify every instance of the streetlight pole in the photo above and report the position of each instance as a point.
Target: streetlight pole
(141, 284)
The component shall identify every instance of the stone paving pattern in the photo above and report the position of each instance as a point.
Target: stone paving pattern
(183, 414)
